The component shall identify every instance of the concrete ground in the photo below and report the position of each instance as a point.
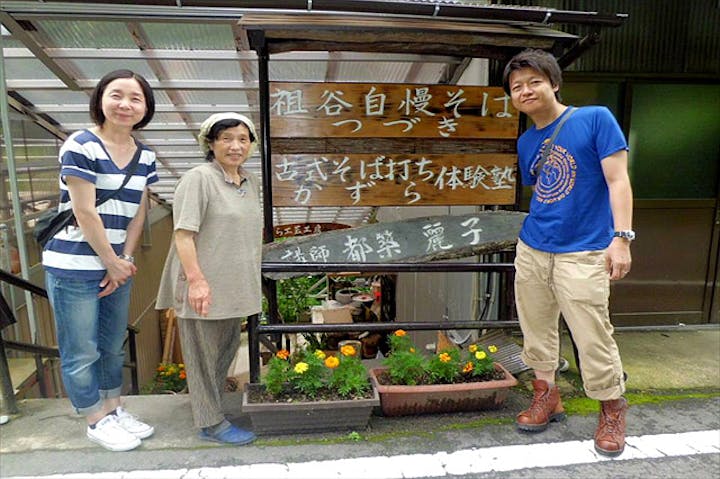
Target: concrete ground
(47, 437)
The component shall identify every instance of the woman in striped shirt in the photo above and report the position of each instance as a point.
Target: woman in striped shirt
(89, 265)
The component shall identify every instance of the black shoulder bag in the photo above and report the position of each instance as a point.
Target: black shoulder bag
(546, 152)
(50, 222)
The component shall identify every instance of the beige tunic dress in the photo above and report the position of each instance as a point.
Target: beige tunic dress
(228, 223)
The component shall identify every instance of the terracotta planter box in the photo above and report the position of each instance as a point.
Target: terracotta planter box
(303, 417)
(442, 398)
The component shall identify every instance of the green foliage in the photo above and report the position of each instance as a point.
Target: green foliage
(444, 368)
(294, 298)
(349, 378)
(312, 374)
(308, 374)
(277, 375)
(406, 366)
(169, 377)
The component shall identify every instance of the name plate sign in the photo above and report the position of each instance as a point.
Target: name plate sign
(416, 240)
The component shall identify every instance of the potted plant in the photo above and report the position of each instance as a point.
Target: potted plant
(295, 298)
(169, 378)
(450, 381)
(310, 391)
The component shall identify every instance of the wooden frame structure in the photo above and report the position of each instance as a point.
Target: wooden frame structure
(280, 33)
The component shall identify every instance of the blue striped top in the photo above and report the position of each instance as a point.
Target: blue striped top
(83, 155)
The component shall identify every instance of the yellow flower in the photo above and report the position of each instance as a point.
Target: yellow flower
(472, 348)
(492, 348)
(480, 355)
(347, 350)
(319, 354)
(445, 358)
(332, 362)
(468, 367)
(400, 333)
(300, 368)
(412, 350)
(181, 366)
(283, 354)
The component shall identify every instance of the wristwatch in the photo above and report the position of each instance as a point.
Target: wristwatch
(627, 234)
(127, 258)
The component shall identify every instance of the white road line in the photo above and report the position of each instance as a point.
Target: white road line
(459, 463)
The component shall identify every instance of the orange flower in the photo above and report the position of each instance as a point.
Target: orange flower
(468, 367)
(472, 348)
(182, 375)
(161, 368)
(400, 333)
(347, 350)
(332, 362)
(445, 358)
(283, 354)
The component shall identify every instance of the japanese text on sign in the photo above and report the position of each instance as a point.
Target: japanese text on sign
(380, 180)
(390, 111)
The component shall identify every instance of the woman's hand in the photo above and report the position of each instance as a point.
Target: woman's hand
(118, 272)
(199, 296)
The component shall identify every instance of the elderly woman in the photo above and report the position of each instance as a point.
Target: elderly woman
(212, 273)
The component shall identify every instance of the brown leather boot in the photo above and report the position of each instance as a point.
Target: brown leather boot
(546, 407)
(610, 434)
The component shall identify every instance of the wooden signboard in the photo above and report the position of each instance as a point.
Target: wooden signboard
(383, 110)
(411, 241)
(399, 180)
(303, 229)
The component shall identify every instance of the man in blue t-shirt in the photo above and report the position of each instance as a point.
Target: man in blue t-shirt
(574, 241)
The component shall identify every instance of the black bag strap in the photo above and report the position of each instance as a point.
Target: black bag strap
(132, 167)
(67, 216)
(546, 151)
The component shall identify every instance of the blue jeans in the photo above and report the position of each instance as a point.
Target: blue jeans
(90, 332)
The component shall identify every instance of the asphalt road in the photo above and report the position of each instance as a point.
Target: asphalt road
(673, 439)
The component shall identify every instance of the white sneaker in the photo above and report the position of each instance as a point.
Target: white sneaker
(133, 425)
(108, 433)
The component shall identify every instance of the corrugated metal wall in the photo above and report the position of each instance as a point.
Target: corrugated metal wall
(665, 37)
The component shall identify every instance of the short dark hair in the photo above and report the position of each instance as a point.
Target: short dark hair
(538, 60)
(96, 113)
(221, 126)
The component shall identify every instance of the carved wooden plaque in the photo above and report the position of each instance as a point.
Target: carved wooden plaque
(400, 180)
(383, 110)
(412, 241)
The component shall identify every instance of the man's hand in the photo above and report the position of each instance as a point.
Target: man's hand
(618, 259)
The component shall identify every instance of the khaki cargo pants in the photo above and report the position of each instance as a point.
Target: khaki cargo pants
(577, 285)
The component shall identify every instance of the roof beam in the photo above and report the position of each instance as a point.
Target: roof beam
(143, 42)
(165, 108)
(224, 55)
(19, 33)
(50, 84)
